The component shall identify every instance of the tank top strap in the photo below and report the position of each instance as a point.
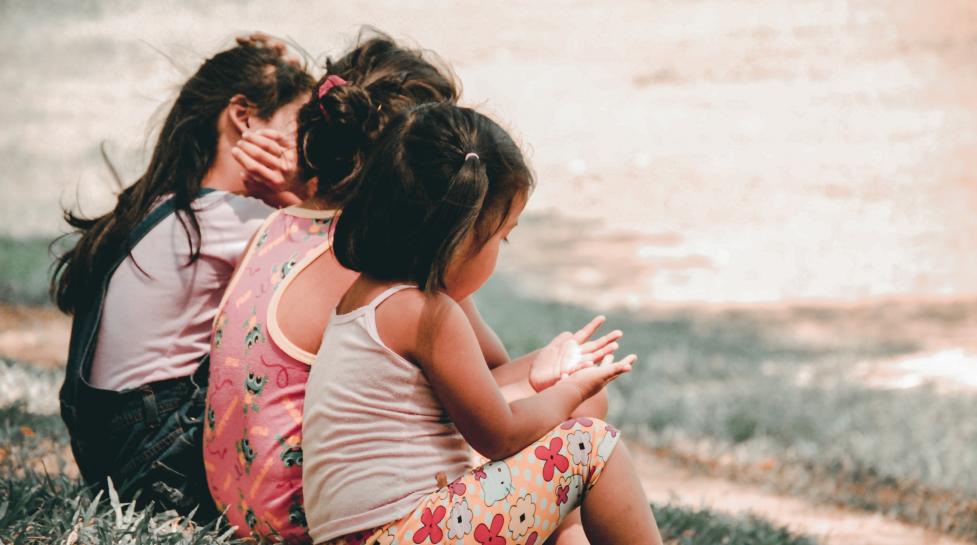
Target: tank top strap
(386, 295)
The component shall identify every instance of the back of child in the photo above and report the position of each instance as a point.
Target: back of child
(400, 389)
(252, 439)
(143, 282)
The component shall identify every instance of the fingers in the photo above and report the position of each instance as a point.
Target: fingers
(614, 369)
(272, 161)
(586, 331)
(269, 139)
(600, 353)
(628, 362)
(256, 170)
(597, 344)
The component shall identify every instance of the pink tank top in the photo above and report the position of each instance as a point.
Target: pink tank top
(375, 435)
(253, 429)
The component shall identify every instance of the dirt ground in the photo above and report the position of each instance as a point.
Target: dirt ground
(36, 335)
(665, 482)
(710, 151)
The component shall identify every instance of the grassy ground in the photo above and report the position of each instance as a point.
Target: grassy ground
(740, 390)
(42, 500)
(39, 503)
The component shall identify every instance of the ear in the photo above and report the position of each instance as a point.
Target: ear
(239, 112)
(311, 187)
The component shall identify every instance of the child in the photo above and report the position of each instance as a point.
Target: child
(270, 321)
(144, 280)
(400, 387)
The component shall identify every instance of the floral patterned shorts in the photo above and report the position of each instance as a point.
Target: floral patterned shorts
(520, 500)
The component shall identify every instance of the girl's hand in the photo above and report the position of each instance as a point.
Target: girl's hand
(594, 378)
(596, 350)
(568, 352)
(269, 160)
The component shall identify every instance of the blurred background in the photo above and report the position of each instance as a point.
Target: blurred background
(776, 201)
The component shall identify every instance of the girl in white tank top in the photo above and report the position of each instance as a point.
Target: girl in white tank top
(400, 390)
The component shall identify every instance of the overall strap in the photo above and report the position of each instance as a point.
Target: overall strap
(84, 327)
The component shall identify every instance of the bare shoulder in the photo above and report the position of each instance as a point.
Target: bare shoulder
(410, 320)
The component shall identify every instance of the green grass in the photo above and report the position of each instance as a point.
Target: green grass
(24, 270)
(40, 504)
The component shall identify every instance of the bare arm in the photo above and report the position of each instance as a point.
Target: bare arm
(491, 346)
(434, 332)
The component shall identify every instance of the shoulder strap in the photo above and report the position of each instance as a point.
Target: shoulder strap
(387, 293)
(84, 327)
(158, 214)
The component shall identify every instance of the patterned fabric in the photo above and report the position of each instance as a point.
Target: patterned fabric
(517, 501)
(253, 428)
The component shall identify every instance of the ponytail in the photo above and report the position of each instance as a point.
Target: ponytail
(440, 180)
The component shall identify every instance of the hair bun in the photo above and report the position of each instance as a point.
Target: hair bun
(348, 108)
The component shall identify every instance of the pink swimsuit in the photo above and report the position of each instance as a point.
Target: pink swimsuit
(253, 432)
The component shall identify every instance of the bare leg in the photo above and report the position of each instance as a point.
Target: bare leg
(616, 510)
(569, 532)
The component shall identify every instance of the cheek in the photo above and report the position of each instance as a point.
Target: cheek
(487, 260)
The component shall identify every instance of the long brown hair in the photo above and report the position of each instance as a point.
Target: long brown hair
(184, 152)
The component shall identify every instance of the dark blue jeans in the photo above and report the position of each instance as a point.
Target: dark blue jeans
(148, 441)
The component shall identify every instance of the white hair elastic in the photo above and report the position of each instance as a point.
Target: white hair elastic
(470, 155)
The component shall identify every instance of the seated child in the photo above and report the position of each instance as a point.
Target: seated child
(400, 388)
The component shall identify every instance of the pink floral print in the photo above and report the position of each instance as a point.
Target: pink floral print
(498, 503)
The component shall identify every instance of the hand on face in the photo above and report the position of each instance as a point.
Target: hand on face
(269, 162)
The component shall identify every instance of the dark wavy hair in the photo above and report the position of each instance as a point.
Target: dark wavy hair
(335, 131)
(184, 152)
(421, 193)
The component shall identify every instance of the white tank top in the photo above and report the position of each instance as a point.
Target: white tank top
(374, 435)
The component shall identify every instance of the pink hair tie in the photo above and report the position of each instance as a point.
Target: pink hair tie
(331, 81)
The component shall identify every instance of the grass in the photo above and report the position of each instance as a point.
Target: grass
(24, 270)
(724, 385)
(41, 504)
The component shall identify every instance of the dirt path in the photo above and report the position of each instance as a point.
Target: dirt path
(37, 335)
(663, 481)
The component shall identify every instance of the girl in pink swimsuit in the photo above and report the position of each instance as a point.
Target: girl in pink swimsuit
(252, 434)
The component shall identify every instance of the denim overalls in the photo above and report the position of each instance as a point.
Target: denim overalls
(147, 439)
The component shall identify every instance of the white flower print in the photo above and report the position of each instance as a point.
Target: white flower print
(579, 447)
(522, 516)
(459, 520)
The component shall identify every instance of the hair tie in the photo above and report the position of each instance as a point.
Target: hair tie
(470, 155)
(332, 80)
